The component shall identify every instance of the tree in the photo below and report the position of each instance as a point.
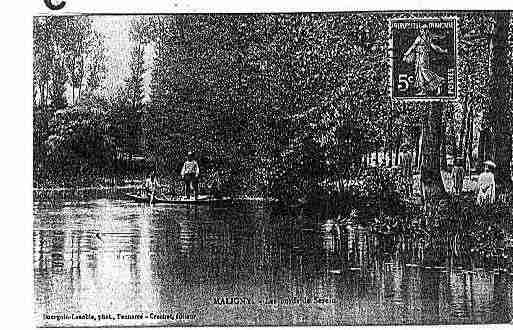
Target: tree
(443, 141)
(126, 103)
(76, 43)
(236, 86)
(496, 129)
(135, 81)
(430, 177)
(59, 80)
(79, 139)
(62, 45)
(452, 130)
(470, 136)
(96, 66)
(474, 71)
(44, 53)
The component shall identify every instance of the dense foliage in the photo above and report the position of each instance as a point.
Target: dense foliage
(82, 134)
(287, 105)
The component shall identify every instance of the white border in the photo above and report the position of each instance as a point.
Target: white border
(16, 129)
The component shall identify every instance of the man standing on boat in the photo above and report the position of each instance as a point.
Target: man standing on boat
(190, 174)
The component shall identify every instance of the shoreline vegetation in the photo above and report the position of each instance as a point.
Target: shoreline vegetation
(473, 235)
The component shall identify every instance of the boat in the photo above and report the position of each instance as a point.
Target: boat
(202, 199)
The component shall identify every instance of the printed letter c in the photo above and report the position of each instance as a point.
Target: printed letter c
(50, 5)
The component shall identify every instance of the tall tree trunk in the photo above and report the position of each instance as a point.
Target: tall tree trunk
(81, 76)
(418, 143)
(34, 95)
(443, 143)
(47, 93)
(41, 94)
(470, 136)
(497, 117)
(377, 154)
(430, 177)
(418, 156)
(388, 137)
(481, 150)
(452, 131)
(463, 127)
(73, 79)
(397, 149)
(390, 153)
(384, 161)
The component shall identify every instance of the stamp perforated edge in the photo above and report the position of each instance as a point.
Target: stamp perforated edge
(391, 60)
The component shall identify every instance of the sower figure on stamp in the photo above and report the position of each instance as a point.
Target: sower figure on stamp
(426, 81)
(190, 174)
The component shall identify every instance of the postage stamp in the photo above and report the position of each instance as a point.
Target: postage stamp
(424, 58)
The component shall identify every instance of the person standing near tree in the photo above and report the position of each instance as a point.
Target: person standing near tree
(457, 176)
(214, 185)
(486, 185)
(151, 185)
(190, 173)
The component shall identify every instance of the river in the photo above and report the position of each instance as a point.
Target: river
(240, 265)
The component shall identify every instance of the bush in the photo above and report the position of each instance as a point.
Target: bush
(378, 189)
(299, 171)
(79, 142)
(480, 232)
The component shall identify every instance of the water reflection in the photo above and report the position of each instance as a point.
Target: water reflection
(106, 256)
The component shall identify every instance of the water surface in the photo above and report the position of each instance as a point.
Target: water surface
(110, 256)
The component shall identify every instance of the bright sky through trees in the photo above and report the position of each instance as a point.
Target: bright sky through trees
(116, 30)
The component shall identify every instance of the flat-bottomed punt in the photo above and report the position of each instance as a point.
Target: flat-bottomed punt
(203, 199)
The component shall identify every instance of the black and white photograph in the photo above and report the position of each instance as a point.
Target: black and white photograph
(272, 168)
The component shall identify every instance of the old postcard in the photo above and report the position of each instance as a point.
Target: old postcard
(272, 168)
